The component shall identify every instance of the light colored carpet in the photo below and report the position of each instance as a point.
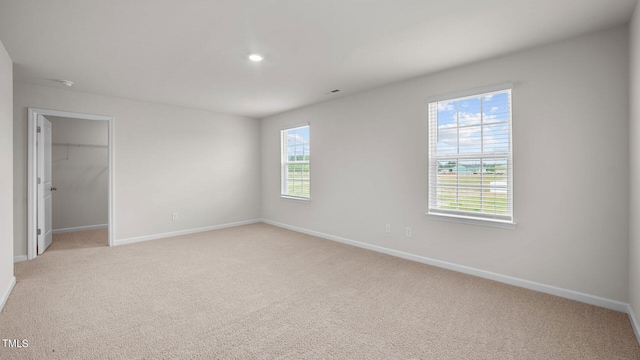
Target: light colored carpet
(79, 239)
(262, 292)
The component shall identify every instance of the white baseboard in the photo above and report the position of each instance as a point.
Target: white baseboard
(183, 232)
(7, 292)
(80, 228)
(548, 289)
(634, 321)
(20, 258)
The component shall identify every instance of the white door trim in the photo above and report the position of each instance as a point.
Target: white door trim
(32, 205)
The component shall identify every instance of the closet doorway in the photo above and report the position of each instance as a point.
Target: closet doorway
(70, 180)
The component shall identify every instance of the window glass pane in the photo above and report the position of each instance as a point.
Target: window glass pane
(494, 169)
(291, 138)
(495, 202)
(303, 135)
(496, 138)
(446, 167)
(447, 197)
(469, 173)
(447, 115)
(447, 142)
(495, 108)
(469, 112)
(290, 151)
(469, 199)
(470, 140)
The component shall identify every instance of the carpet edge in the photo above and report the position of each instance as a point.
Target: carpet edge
(527, 284)
(183, 232)
(634, 322)
(80, 228)
(7, 292)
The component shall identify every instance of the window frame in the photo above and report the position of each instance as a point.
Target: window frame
(469, 217)
(285, 162)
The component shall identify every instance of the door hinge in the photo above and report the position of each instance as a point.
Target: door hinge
(39, 129)
(39, 181)
(39, 232)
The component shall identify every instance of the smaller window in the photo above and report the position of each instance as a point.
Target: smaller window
(295, 178)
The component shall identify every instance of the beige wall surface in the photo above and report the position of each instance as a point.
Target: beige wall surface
(79, 173)
(6, 180)
(634, 150)
(203, 165)
(570, 121)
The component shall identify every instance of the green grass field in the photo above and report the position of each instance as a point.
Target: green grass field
(298, 180)
(481, 193)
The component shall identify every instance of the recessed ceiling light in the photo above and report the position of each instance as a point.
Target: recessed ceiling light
(256, 57)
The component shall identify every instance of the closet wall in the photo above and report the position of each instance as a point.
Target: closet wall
(80, 173)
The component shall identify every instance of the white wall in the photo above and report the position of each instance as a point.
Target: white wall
(6, 180)
(80, 173)
(634, 150)
(570, 121)
(201, 164)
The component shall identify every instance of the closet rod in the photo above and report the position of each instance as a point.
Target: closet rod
(81, 145)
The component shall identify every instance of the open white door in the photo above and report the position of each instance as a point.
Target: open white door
(39, 193)
(44, 184)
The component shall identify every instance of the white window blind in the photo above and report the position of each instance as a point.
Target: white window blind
(295, 178)
(470, 157)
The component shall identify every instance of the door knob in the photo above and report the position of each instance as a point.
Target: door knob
(54, 188)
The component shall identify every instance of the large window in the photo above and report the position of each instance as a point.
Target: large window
(470, 157)
(295, 176)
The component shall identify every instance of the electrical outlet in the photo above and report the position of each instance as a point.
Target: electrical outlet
(174, 216)
(407, 231)
(388, 228)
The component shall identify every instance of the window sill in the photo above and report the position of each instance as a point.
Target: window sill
(473, 221)
(295, 199)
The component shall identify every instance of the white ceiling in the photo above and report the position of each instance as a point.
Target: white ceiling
(193, 53)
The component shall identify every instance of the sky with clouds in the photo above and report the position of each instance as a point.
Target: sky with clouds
(473, 125)
(298, 141)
